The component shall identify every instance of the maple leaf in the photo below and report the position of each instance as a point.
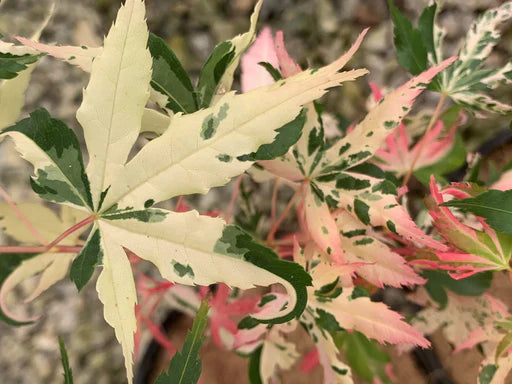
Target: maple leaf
(467, 80)
(361, 245)
(52, 266)
(185, 366)
(270, 351)
(471, 249)
(196, 152)
(171, 88)
(369, 199)
(468, 321)
(398, 157)
(350, 308)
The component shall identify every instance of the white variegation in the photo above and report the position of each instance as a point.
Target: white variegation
(385, 266)
(374, 320)
(154, 121)
(467, 78)
(42, 162)
(116, 290)
(481, 38)
(335, 370)
(321, 225)
(186, 160)
(187, 242)
(277, 355)
(114, 100)
(481, 102)
(12, 97)
(52, 265)
(367, 137)
(383, 209)
(82, 56)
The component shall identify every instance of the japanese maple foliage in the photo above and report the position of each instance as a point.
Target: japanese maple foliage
(358, 228)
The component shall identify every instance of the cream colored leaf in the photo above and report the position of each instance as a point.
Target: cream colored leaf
(376, 207)
(481, 102)
(185, 248)
(322, 226)
(114, 100)
(199, 151)
(55, 272)
(12, 97)
(154, 121)
(482, 36)
(31, 267)
(307, 153)
(374, 320)
(116, 290)
(42, 218)
(82, 57)
(47, 223)
(460, 318)
(277, 355)
(385, 266)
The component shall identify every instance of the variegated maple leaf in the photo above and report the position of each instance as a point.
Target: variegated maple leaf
(171, 88)
(397, 156)
(470, 321)
(334, 304)
(466, 80)
(326, 174)
(52, 266)
(197, 151)
(344, 306)
(270, 351)
(473, 246)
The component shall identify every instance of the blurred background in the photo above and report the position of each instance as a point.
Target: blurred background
(316, 32)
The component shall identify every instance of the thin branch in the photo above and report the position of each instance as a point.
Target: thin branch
(431, 124)
(273, 206)
(22, 217)
(69, 231)
(53, 245)
(275, 227)
(179, 203)
(234, 195)
(39, 249)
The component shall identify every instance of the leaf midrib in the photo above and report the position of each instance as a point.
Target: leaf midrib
(490, 207)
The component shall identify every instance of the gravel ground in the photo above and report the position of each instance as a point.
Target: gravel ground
(316, 31)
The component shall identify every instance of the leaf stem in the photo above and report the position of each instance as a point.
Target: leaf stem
(275, 227)
(69, 231)
(22, 217)
(273, 206)
(179, 203)
(53, 245)
(39, 249)
(433, 120)
(236, 189)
